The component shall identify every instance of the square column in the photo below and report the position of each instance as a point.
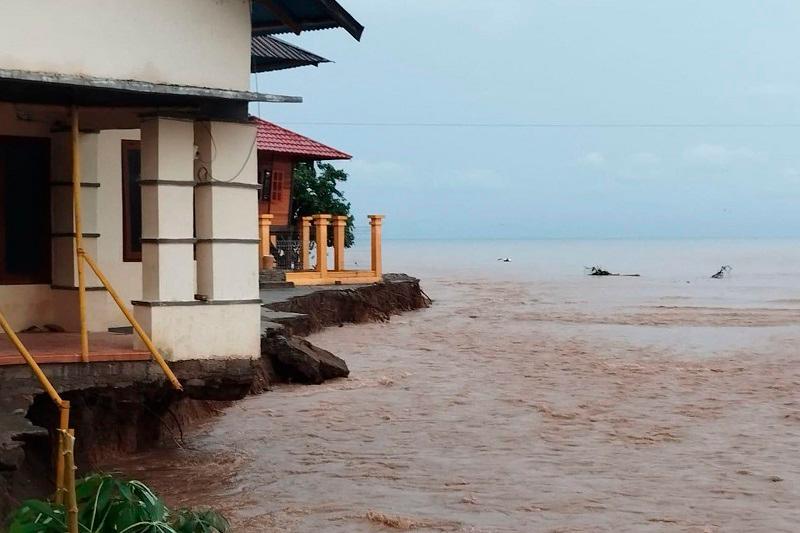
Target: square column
(167, 213)
(219, 188)
(64, 270)
(321, 232)
(376, 256)
(63, 259)
(226, 207)
(305, 238)
(339, 224)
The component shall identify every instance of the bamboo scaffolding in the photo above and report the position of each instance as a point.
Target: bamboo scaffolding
(142, 335)
(68, 438)
(63, 425)
(82, 256)
(65, 455)
(37, 371)
(76, 209)
(63, 405)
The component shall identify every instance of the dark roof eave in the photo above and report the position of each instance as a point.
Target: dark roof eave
(344, 18)
(335, 16)
(271, 66)
(270, 53)
(278, 28)
(138, 88)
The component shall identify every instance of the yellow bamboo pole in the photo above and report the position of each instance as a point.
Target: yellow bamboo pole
(69, 474)
(37, 371)
(145, 338)
(62, 405)
(63, 426)
(76, 209)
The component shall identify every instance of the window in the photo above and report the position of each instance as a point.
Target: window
(24, 210)
(131, 201)
(279, 185)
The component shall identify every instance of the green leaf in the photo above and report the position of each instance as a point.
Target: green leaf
(110, 505)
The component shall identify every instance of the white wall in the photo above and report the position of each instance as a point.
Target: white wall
(184, 42)
(125, 277)
(26, 305)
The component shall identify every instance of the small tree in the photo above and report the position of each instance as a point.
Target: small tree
(315, 191)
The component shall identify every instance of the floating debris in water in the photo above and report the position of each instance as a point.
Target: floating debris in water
(724, 271)
(600, 271)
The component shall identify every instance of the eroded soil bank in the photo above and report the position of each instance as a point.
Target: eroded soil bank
(124, 408)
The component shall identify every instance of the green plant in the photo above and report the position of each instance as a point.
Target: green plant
(315, 191)
(107, 504)
(189, 521)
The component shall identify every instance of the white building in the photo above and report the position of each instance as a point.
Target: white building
(166, 154)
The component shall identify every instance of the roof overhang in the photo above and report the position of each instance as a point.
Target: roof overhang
(64, 89)
(270, 53)
(275, 139)
(296, 16)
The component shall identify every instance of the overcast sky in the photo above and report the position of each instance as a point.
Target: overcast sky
(561, 62)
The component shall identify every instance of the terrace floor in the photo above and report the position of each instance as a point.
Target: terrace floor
(66, 348)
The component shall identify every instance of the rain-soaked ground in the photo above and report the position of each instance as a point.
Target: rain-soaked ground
(590, 405)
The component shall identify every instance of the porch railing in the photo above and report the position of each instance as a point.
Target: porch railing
(297, 256)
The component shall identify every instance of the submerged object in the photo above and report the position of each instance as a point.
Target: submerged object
(600, 271)
(724, 271)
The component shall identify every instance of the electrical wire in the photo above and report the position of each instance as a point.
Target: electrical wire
(546, 125)
(203, 175)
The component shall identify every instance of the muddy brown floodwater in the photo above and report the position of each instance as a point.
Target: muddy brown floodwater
(511, 407)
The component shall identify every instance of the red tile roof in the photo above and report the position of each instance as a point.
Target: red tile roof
(273, 138)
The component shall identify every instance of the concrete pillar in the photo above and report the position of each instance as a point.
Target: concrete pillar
(219, 187)
(305, 237)
(264, 222)
(63, 259)
(226, 209)
(167, 213)
(321, 232)
(339, 224)
(376, 263)
(64, 271)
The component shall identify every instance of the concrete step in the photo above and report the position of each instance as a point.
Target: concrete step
(272, 275)
(276, 285)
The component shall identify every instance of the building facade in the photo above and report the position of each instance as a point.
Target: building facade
(165, 152)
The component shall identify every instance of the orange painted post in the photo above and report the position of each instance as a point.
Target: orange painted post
(305, 238)
(376, 263)
(321, 230)
(339, 223)
(264, 222)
